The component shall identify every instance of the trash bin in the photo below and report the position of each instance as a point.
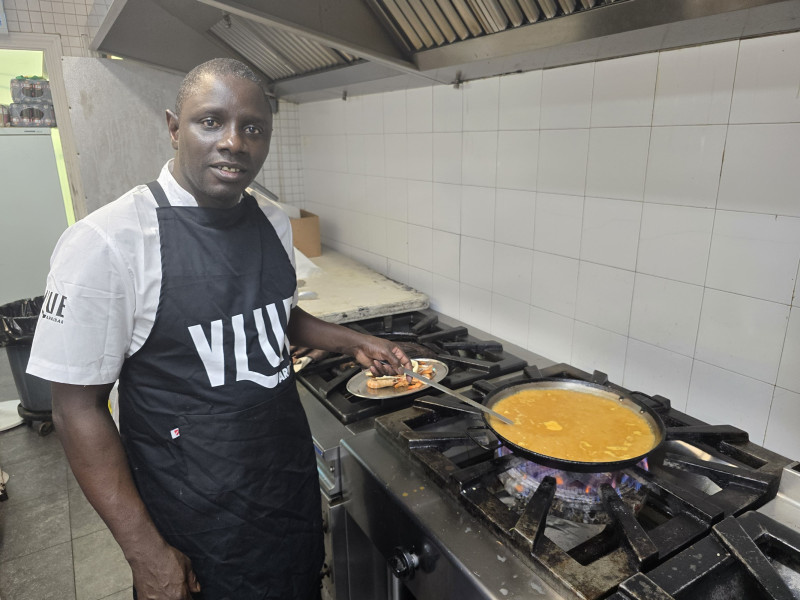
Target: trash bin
(17, 325)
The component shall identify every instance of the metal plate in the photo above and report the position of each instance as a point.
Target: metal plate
(358, 383)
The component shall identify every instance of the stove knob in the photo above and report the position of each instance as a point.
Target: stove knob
(403, 563)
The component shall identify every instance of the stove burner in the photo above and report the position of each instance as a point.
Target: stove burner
(577, 496)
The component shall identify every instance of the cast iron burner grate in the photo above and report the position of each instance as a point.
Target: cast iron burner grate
(690, 489)
(420, 333)
(751, 557)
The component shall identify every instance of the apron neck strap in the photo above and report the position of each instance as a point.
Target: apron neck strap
(158, 194)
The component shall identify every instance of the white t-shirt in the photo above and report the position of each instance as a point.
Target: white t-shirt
(104, 285)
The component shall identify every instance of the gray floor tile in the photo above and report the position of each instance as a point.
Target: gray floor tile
(123, 595)
(100, 567)
(27, 526)
(83, 517)
(22, 442)
(36, 476)
(72, 483)
(8, 390)
(45, 575)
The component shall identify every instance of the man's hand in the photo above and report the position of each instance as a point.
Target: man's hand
(380, 356)
(165, 575)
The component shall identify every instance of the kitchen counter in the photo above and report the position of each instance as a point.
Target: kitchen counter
(348, 291)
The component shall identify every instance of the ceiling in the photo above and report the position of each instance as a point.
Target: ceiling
(315, 49)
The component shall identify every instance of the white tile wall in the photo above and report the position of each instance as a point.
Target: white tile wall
(567, 97)
(447, 157)
(594, 348)
(674, 242)
(520, 99)
(761, 163)
(420, 203)
(479, 158)
(789, 372)
(510, 319)
(75, 21)
(477, 211)
(481, 108)
(445, 295)
(562, 161)
(683, 165)
(513, 267)
(477, 262)
(283, 171)
(766, 81)
(617, 162)
(638, 216)
(604, 296)
(558, 223)
(719, 396)
(517, 159)
(654, 370)
(550, 334)
(695, 85)
(419, 110)
(555, 283)
(514, 217)
(784, 416)
(447, 207)
(666, 313)
(755, 255)
(448, 108)
(742, 334)
(446, 255)
(419, 160)
(610, 232)
(475, 305)
(623, 91)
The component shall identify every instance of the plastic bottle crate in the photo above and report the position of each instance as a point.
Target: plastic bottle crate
(29, 114)
(29, 90)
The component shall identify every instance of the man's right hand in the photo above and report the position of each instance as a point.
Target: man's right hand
(165, 575)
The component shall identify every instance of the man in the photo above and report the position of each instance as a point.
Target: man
(185, 292)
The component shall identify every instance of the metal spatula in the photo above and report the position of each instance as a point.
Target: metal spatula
(461, 397)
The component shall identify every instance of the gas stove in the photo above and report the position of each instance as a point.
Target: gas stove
(432, 494)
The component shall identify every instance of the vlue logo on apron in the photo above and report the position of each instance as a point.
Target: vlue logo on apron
(275, 346)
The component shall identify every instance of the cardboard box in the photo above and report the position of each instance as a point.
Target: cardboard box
(305, 232)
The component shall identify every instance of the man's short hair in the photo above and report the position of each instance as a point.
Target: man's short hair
(215, 67)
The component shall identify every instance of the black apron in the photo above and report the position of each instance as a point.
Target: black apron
(217, 440)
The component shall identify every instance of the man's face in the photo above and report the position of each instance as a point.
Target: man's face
(221, 139)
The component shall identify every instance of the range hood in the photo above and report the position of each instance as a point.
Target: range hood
(316, 49)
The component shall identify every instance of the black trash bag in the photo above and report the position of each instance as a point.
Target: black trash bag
(18, 320)
(17, 325)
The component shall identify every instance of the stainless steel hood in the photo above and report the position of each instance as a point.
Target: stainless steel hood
(315, 49)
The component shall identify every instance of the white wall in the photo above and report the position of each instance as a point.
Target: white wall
(640, 216)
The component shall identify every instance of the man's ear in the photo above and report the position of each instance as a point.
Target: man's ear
(173, 125)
